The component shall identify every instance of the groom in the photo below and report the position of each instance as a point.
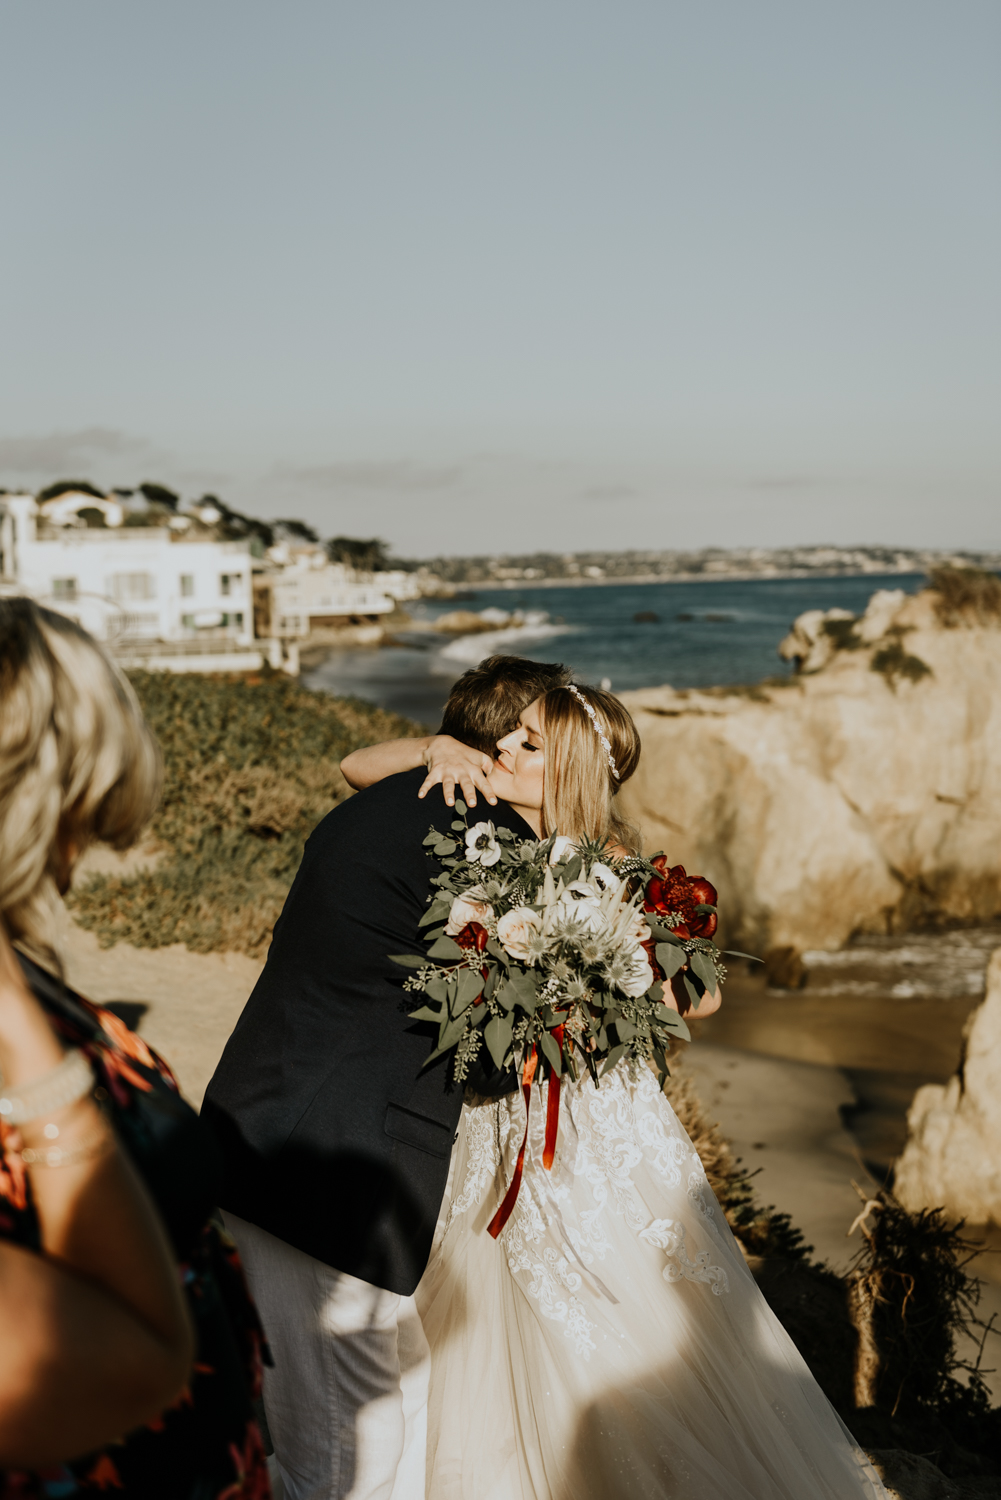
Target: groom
(336, 1143)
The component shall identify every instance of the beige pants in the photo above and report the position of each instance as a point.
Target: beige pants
(346, 1401)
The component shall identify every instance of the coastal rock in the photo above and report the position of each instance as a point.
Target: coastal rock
(861, 794)
(952, 1160)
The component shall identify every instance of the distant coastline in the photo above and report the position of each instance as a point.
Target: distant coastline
(545, 570)
(737, 576)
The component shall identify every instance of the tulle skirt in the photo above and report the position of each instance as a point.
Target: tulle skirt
(612, 1342)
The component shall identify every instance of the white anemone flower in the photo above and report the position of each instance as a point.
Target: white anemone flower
(482, 845)
(603, 879)
(561, 848)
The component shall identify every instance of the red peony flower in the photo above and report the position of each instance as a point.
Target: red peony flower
(673, 893)
(473, 935)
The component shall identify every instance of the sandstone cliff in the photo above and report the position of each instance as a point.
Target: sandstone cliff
(861, 794)
(952, 1159)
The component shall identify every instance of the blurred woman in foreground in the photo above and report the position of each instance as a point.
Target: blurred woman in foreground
(125, 1332)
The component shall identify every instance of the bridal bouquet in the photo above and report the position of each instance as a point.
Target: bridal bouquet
(547, 952)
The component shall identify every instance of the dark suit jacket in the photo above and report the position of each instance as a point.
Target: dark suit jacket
(334, 1139)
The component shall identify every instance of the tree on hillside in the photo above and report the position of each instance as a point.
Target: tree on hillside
(68, 486)
(294, 531)
(234, 526)
(158, 494)
(368, 557)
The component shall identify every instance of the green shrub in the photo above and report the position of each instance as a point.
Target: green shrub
(251, 766)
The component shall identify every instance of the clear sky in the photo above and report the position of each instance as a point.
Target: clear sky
(534, 273)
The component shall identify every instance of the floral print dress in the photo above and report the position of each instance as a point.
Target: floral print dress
(207, 1445)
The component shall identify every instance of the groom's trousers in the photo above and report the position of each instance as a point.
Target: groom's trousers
(346, 1400)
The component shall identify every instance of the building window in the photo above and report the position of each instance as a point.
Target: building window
(188, 621)
(187, 585)
(64, 588)
(128, 587)
(233, 620)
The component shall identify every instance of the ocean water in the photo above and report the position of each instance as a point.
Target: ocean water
(701, 634)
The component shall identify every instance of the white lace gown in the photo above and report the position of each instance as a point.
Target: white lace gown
(612, 1342)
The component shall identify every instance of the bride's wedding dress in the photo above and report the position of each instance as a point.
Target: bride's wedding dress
(611, 1344)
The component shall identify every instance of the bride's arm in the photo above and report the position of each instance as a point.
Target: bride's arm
(676, 996)
(448, 761)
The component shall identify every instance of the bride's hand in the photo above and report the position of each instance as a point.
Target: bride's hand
(449, 761)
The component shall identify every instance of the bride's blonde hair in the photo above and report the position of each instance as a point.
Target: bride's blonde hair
(77, 762)
(578, 794)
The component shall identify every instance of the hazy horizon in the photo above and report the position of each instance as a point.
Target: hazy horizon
(477, 280)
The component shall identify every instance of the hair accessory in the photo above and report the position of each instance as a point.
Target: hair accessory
(64, 1084)
(589, 710)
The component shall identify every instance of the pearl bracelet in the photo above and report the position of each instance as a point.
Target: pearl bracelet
(69, 1081)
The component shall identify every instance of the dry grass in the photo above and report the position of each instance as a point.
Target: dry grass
(966, 596)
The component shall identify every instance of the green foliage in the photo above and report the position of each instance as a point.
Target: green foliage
(842, 634)
(966, 596)
(894, 662)
(368, 556)
(69, 486)
(158, 494)
(251, 766)
(912, 1299)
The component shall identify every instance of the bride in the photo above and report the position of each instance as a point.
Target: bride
(611, 1342)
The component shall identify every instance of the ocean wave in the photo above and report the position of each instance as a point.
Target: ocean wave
(470, 649)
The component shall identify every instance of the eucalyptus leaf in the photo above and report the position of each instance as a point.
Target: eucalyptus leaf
(450, 1032)
(497, 1035)
(435, 912)
(426, 1013)
(444, 947)
(408, 960)
(526, 990)
(703, 908)
(736, 953)
(624, 1030)
(693, 989)
(676, 1024)
(551, 1052)
(670, 957)
(469, 988)
(703, 967)
(615, 1056)
(437, 988)
(461, 808)
(573, 869)
(458, 826)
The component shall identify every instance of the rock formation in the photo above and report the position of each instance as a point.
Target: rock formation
(861, 794)
(952, 1159)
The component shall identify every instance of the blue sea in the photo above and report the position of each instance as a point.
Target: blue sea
(691, 634)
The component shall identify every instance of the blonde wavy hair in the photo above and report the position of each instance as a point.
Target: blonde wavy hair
(578, 794)
(77, 763)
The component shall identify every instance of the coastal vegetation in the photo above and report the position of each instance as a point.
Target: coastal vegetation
(251, 764)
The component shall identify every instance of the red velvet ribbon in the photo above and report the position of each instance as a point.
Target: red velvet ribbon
(502, 1215)
(553, 1108)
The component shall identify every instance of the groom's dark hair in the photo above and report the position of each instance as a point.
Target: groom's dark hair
(487, 701)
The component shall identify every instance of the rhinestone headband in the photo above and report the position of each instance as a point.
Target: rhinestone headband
(589, 710)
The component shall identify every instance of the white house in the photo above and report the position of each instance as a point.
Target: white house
(128, 584)
(313, 593)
